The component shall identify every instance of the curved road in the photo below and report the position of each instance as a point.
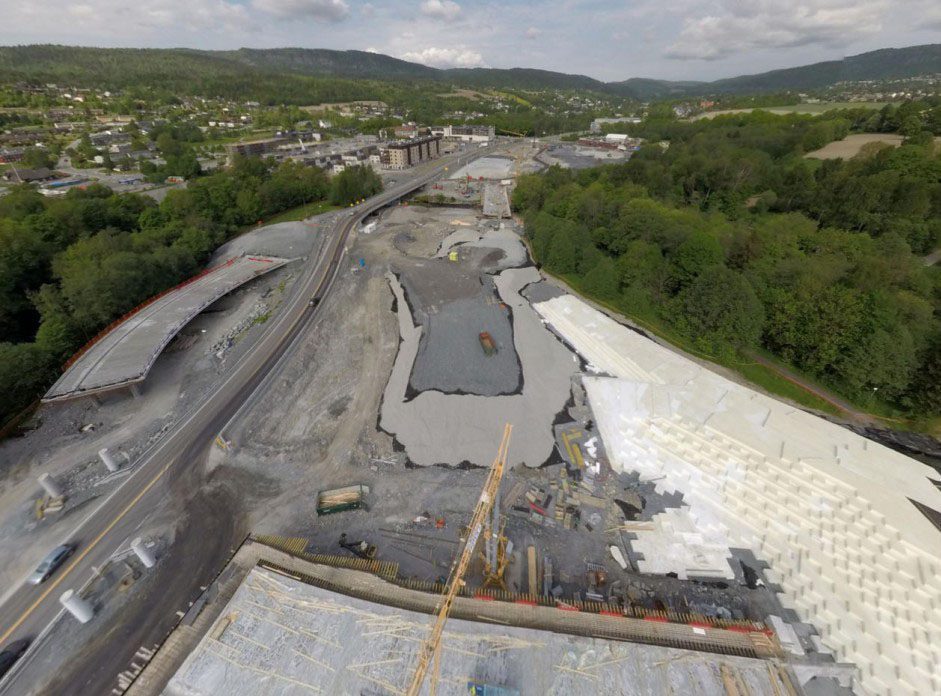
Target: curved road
(31, 609)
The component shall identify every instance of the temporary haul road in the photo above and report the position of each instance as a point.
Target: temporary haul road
(30, 609)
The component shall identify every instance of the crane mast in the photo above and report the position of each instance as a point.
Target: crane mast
(430, 647)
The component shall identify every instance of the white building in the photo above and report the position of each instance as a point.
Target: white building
(465, 133)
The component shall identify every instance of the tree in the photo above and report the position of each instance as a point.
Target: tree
(719, 309)
(353, 184)
(562, 256)
(699, 252)
(24, 260)
(642, 268)
(25, 370)
(924, 394)
(602, 280)
(38, 158)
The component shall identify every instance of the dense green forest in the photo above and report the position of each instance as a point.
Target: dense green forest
(69, 266)
(726, 235)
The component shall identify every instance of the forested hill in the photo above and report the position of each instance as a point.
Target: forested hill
(884, 64)
(322, 62)
(194, 70)
(189, 70)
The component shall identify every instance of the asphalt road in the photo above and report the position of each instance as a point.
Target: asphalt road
(177, 455)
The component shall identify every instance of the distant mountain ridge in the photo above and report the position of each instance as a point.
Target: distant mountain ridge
(124, 66)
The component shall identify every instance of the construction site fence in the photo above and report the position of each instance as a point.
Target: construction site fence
(389, 571)
(127, 315)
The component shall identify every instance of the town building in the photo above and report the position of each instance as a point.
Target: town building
(408, 153)
(253, 148)
(466, 133)
(30, 176)
(336, 162)
(403, 131)
(11, 155)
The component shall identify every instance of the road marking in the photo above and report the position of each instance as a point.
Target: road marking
(392, 195)
(68, 569)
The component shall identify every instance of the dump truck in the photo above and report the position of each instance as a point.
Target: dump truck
(486, 342)
(341, 499)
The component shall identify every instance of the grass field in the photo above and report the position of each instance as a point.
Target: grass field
(810, 109)
(852, 144)
(303, 212)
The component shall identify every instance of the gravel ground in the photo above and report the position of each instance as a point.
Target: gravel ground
(486, 167)
(575, 157)
(455, 430)
(541, 291)
(69, 434)
(450, 357)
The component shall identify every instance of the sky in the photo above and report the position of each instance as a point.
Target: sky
(677, 40)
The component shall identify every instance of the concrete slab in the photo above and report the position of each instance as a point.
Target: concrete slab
(486, 167)
(125, 354)
(278, 635)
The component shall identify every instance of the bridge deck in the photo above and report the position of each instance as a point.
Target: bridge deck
(126, 353)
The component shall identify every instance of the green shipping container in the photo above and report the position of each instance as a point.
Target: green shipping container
(341, 499)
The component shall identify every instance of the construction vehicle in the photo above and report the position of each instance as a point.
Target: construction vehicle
(362, 549)
(431, 647)
(486, 342)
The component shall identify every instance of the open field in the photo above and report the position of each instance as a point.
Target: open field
(464, 94)
(852, 144)
(811, 109)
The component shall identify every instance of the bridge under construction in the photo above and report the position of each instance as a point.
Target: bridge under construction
(123, 353)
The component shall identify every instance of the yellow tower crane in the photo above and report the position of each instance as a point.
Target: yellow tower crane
(431, 647)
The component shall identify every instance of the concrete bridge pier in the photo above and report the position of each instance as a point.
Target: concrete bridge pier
(78, 607)
(51, 486)
(145, 555)
(108, 459)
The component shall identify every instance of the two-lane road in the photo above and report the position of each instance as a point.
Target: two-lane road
(30, 609)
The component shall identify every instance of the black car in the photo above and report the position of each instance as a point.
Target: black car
(13, 652)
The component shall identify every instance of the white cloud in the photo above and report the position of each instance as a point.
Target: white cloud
(533, 33)
(321, 10)
(743, 25)
(447, 10)
(446, 57)
(185, 17)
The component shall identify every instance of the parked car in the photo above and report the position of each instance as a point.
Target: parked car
(13, 652)
(50, 563)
